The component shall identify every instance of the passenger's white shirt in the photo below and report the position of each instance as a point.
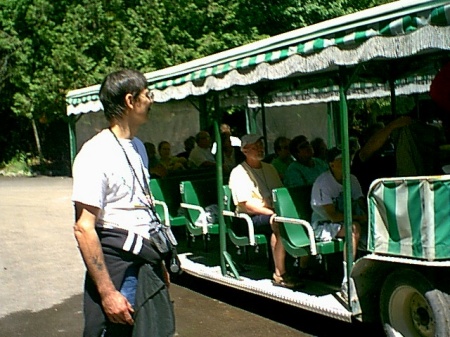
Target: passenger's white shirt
(103, 178)
(326, 190)
(235, 141)
(199, 155)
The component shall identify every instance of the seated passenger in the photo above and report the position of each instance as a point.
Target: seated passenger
(306, 168)
(328, 205)
(235, 141)
(155, 168)
(320, 148)
(231, 155)
(251, 184)
(166, 159)
(201, 156)
(189, 144)
(283, 157)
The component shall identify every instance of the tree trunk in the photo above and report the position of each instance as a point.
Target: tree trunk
(38, 142)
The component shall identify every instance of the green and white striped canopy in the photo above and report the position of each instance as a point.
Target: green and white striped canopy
(409, 217)
(393, 31)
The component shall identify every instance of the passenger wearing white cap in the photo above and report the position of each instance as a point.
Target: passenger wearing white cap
(251, 184)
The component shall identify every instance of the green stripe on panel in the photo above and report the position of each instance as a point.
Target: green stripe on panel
(318, 44)
(226, 67)
(386, 30)
(440, 16)
(407, 23)
(442, 218)
(252, 60)
(361, 36)
(390, 202)
(372, 229)
(300, 48)
(415, 217)
(268, 57)
(338, 41)
(284, 53)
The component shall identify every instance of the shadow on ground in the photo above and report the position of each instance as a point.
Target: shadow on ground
(65, 319)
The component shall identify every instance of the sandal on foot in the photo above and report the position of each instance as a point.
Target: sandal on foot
(286, 281)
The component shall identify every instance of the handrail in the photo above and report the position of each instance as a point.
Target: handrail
(166, 211)
(308, 227)
(202, 216)
(246, 217)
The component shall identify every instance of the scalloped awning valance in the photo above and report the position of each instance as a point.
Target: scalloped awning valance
(389, 32)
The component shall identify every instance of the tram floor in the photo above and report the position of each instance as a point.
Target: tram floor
(324, 277)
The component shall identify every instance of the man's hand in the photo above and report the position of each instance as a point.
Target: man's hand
(166, 275)
(117, 308)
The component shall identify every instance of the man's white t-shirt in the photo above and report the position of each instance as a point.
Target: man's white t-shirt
(199, 155)
(103, 178)
(326, 190)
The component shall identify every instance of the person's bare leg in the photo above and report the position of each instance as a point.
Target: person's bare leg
(278, 252)
(279, 255)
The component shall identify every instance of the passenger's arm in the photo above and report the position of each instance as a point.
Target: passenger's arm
(115, 305)
(380, 137)
(206, 164)
(332, 213)
(256, 208)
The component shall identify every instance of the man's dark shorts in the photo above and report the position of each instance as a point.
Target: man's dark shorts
(261, 223)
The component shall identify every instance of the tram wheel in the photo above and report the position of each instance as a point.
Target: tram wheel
(410, 307)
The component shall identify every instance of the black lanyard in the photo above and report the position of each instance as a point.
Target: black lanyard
(145, 189)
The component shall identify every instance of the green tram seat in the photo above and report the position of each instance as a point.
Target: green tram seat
(196, 195)
(410, 217)
(235, 220)
(166, 194)
(293, 209)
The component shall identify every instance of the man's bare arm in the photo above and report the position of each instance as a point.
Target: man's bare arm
(115, 305)
(253, 208)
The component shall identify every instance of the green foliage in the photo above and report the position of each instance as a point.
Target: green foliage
(17, 166)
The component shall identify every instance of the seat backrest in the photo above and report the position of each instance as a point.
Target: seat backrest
(158, 195)
(198, 192)
(167, 190)
(228, 203)
(293, 203)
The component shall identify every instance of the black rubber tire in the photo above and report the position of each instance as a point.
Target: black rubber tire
(411, 307)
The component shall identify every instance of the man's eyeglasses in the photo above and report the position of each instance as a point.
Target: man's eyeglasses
(149, 94)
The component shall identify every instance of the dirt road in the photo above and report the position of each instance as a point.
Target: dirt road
(41, 272)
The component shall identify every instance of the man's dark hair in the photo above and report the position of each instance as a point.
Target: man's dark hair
(116, 86)
(293, 145)
(277, 143)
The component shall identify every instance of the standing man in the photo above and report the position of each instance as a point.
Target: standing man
(115, 221)
(251, 184)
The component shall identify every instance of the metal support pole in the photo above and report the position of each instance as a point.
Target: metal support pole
(346, 175)
(219, 175)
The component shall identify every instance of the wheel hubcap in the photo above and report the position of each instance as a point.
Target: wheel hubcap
(410, 313)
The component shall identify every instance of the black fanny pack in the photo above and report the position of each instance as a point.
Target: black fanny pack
(163, 240)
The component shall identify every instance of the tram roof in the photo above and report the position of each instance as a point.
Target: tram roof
(308, 57)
